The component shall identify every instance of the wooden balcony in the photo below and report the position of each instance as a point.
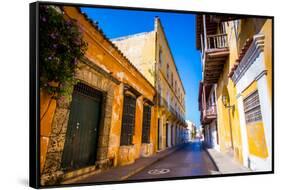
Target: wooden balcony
(214, 55)
(209, 114)
(207, 103)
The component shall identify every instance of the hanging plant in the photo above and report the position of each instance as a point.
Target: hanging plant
(60, 45)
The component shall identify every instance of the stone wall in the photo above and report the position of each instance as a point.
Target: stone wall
(95, 77)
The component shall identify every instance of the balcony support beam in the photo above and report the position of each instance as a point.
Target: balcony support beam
(204, 98)
(205, 32)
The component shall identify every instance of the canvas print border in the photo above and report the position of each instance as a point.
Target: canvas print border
(246, 93)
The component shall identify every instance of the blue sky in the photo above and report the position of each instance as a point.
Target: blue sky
(180, 32)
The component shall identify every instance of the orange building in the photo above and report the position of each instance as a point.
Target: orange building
(151, 54)
(107, 119)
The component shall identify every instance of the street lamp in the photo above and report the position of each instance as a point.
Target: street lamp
(225, 102)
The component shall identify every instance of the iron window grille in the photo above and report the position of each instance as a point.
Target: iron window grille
(252, 108)
(86, 90)
(128, 120)
(146, 124)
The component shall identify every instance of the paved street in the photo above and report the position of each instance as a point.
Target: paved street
(191, 160)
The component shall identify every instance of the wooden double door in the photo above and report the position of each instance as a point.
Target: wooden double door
(80, 148)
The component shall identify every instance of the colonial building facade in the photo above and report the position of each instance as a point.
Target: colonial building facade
(151, 54)
(208, 114)
(108, 119)
(237, 71)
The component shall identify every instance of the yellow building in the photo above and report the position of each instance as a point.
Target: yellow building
(108, 119)
(151, 54)
(237, 62)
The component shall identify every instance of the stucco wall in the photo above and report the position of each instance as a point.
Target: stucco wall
(229, 120)
(140, 50)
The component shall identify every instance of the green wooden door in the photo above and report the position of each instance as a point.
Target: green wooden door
(82, 131)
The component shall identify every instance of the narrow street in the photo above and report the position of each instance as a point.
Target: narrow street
(127, 117)
(191, 160)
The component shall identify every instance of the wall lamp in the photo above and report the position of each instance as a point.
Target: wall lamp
(225, 102)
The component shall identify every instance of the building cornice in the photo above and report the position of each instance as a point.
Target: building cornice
(254, 50)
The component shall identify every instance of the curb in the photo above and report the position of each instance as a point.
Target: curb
(212, 159)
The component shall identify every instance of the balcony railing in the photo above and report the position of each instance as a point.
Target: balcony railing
(211, 110)
(215, 51)
(214, 42)
(209, 113)
(163, 103)
(217, 41)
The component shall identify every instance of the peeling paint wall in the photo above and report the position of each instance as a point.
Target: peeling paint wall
(140, 50)
(115, 131)
(255, 131)
(101, 53)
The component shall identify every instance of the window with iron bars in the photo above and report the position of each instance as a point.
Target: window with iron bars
(252, 108)
(128, 120)
(146, 124)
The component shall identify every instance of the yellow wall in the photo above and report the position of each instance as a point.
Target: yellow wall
(255, 130)
(250, 27)
(228, 119)
(246, 28)
(167, 58)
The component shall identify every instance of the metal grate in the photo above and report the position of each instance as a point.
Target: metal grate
(146, 124)
(128, 120)
(87, 91)
(252, 108)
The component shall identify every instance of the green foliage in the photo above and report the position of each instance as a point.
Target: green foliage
(60, 46)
